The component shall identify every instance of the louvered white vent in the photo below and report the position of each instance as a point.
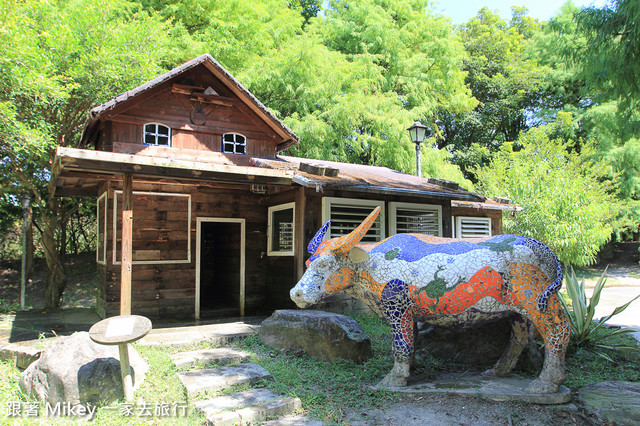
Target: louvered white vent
(469, 227)
(415, 219)
(347, 213)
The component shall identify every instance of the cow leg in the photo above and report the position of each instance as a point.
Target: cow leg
(519, 340)
(396, 305)
(527, 283)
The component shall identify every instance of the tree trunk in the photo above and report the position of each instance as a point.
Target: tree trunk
(56, 279)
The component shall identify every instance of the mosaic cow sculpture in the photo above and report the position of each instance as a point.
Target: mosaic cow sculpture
(411, 277)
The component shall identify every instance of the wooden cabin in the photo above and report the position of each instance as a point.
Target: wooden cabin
(200, 216)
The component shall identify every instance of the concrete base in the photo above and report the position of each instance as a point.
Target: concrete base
(511, 388)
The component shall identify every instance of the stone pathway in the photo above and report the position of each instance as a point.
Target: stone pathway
(251, 406)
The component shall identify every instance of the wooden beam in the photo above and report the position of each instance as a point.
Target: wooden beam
(98, 161)
(127, 244)
(299, 245)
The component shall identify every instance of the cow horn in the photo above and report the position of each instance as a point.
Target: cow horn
(317, 239)
(342, 245)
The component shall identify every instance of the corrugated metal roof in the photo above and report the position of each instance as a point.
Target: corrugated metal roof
(363, 178)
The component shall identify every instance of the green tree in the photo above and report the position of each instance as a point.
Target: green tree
(566, 203)
(60, 59)
(351, 84)
(610, 58)
(588, 53)
(508, 84)
(237, 33)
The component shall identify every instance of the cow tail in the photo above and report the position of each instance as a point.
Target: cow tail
(549, 261)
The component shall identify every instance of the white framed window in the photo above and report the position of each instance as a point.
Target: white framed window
(156, 134)
(411, 218)
(280, 230)
(234, 143)
(469, 227)
(347, 213)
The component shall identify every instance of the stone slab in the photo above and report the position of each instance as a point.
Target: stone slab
(235, 401)
(217, 379)
(294, 421)
(204, 357)
(22, 355)
(277, 408)
(512, 388)
(248, 407)
(615, 402)
(218, 334)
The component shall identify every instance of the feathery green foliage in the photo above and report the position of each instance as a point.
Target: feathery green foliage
(566, 203)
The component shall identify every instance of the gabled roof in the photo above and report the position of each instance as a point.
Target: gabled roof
(363, 178)
(223, 75)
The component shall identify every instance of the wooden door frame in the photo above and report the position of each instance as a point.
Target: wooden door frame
(242, 223)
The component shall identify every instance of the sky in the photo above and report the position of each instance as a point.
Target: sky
(461, 10)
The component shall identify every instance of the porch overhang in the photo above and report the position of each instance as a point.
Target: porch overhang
(78, 172)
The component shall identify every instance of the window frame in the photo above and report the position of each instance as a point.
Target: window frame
(156, 134)
(235, 143)
(270, 229)
(458, 225)
(395, 206)
(328, 202)
(101, 255)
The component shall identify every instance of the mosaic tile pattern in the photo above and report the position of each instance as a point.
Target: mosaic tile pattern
(409, 276)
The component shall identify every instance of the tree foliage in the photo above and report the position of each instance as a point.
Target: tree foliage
(508, 84)
(566, 203)
(60, 59)
(351, 83)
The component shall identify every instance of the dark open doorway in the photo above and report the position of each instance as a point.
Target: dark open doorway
(221, 264)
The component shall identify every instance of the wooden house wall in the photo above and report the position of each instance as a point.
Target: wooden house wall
(168, 289)
(173, 110)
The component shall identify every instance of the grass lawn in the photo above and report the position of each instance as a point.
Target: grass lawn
(326, 389)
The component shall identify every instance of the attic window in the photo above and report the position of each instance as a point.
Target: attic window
(234, 143)
(156, 134)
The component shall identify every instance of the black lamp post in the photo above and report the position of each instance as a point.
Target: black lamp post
(25, 200)
(417, 133)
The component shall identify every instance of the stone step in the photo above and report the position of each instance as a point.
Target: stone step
(294, 421)
(21, 354)
(218, 379)
(247, 407)
(217, 334)
(205, 357)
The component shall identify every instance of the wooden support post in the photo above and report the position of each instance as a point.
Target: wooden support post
(125, 371)
(127, 247)
(299, 246)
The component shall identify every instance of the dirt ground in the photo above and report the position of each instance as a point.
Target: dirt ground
(459, 410)
(411, 410)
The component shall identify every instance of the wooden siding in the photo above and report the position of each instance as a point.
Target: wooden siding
(174, 110)
(167, 290)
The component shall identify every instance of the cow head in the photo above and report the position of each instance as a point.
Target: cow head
(332, 265)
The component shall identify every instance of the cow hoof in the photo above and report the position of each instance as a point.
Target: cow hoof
(392, 380)
(494, 372)
(541, 386)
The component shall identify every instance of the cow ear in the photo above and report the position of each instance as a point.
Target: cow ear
(358, 255)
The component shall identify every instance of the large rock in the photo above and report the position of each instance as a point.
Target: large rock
(615, 402)
(476, 344)
(78, 371)
(323, 335)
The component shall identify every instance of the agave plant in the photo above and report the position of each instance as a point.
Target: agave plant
(584, 332)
